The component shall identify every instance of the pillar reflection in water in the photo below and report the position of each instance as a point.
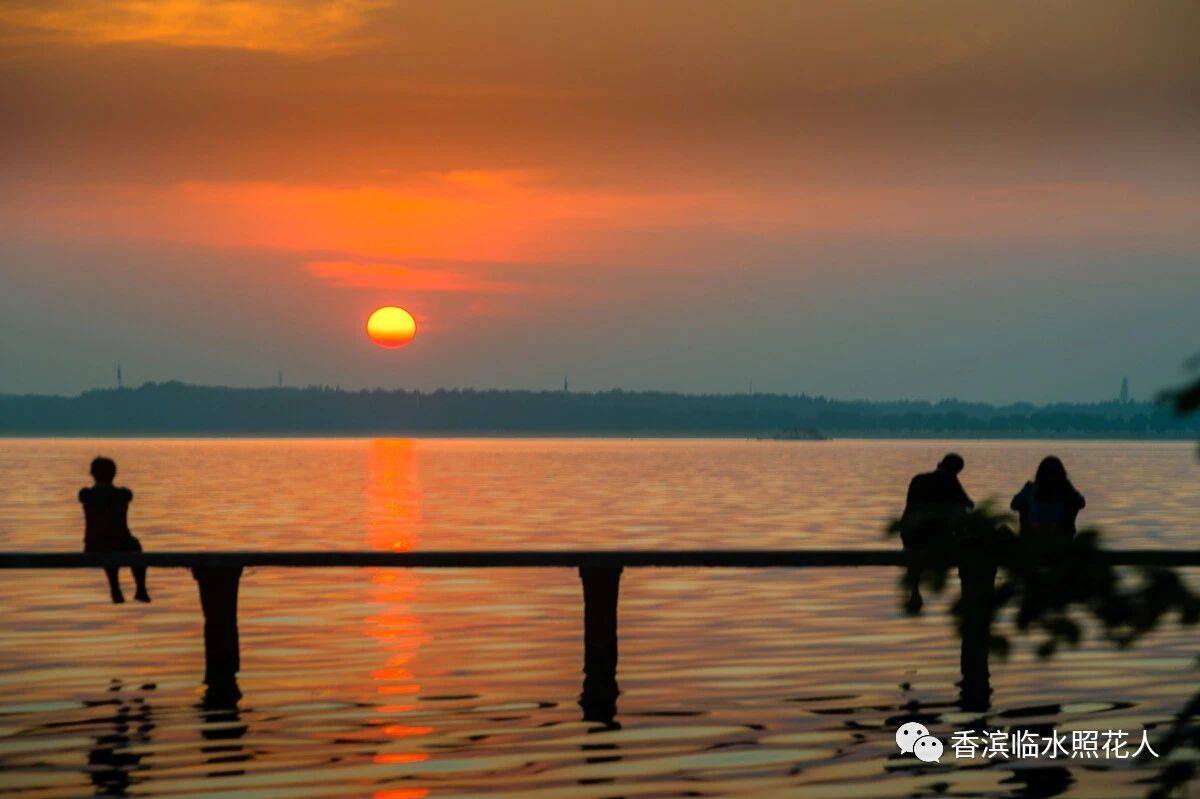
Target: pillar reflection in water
(222, 728)
(393, 513)
(115, 757)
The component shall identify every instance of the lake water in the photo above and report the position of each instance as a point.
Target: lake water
(400, 684)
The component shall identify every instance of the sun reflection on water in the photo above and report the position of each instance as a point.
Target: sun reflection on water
(393, 510)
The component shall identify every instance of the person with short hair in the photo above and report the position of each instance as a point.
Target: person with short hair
(106, 525)
(934, 498)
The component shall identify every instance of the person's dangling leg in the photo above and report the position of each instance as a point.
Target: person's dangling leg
(912, 582)
(915, 542)
(139, 576)
(114, 585)
(139, 573)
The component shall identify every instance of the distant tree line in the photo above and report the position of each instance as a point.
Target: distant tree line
(178, 408)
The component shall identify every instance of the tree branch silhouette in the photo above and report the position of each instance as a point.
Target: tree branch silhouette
(1055, 588)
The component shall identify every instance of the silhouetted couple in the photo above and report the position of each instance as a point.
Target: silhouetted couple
(1046, 506)
(106, 525)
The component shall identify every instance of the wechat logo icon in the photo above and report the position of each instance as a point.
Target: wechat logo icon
(914, 738)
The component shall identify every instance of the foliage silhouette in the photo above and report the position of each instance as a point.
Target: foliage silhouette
(1058, 589)
(1185, 732)
(1186, 399)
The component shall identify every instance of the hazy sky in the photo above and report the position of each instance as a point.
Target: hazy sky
(913, 199)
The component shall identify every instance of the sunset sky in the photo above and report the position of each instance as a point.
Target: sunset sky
(991, 201)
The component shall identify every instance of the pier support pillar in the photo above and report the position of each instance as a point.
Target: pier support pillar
(977, 575)
(601, 588)
(222, 650)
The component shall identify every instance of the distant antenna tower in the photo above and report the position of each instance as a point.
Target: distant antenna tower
(120, 384)
(566, 383)
(1124, 390)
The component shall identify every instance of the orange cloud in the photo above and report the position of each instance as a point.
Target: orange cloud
(295, 27)
(351, 274)
(513, 217)
(481, 216)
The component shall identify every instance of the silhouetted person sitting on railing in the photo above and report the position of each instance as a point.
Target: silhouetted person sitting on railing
(106, 525)
(1047, 507)
(934, 500)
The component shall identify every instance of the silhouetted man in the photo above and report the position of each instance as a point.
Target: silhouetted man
(106, 525)
(934, 499)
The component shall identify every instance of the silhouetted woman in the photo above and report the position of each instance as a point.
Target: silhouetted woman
(1048, 506)
(106, 525)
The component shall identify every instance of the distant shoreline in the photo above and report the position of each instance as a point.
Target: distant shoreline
(173, 410)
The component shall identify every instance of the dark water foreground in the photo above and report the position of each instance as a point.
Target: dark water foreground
(452, 698)
(398, 683)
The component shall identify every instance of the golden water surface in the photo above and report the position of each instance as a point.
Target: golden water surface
(400, 684)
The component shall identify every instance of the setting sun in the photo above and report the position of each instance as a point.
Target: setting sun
(391, 327)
